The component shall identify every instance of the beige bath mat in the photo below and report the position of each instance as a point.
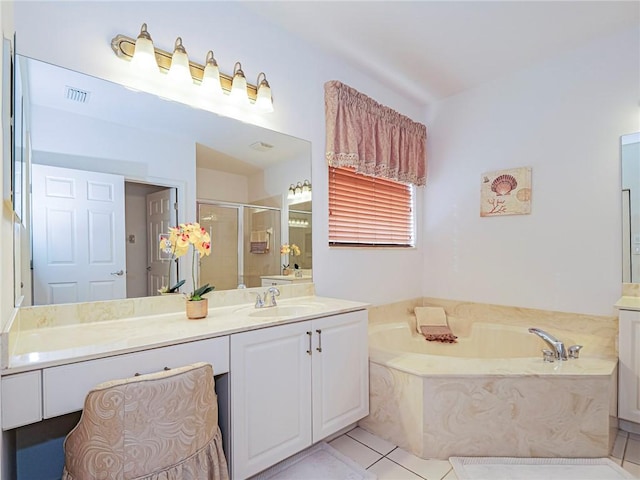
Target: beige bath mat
(505, 468)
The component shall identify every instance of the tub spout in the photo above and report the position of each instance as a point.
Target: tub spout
(553, 342)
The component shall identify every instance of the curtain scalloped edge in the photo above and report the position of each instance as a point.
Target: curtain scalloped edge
(371, 169)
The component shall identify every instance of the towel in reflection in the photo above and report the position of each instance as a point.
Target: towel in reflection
(259, 241)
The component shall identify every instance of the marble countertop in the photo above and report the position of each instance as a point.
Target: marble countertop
(628, 303)
(58, 344)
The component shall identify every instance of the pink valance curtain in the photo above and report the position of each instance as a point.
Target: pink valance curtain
(374, 139)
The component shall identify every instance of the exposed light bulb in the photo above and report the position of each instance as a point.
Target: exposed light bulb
(211, 77)
(144, 55)
(179, 71)
(239, 86)
(264, 102)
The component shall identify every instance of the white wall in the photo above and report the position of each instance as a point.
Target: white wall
(221, 186)
(86, 143)
(563, 118)
(296, 72)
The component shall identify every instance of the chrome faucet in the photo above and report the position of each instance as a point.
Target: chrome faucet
(557, 346)
(268, 299)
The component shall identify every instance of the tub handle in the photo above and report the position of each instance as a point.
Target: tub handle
(574, 351)
(310, 347)
(548, 356)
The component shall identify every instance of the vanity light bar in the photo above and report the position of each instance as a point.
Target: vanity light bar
(124, 47)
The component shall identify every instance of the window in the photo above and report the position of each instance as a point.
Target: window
(369, 211)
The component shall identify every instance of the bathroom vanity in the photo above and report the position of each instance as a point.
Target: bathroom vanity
(287, 376)
(629, 362)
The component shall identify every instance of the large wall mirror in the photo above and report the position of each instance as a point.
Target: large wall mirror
(630, 158)
(111, 168)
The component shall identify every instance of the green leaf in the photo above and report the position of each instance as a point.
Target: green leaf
(199, 292)
(175, 288)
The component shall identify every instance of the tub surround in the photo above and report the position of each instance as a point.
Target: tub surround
(437, 406)
(599, 331)
(58, 334)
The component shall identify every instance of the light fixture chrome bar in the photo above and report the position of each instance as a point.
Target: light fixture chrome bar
(124, 47)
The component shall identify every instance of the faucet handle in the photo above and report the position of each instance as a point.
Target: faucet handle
(574, 351)
(548, 355)
(275, 292)
(259, 301)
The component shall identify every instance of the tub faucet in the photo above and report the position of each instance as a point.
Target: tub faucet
(557, 346)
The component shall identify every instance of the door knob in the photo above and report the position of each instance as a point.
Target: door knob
(118, 273)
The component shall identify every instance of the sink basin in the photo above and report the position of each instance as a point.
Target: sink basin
(283, 311)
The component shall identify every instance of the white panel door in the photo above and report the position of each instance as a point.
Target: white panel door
(271, 391)
(340, 369)
(78, 235)
(629, 366)
(161, 214)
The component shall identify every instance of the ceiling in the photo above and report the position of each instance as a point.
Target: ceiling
(434, 49)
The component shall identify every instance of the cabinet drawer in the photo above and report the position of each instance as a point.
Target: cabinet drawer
(65, 387)
(21, 399)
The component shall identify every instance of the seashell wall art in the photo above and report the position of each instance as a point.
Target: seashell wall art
(506, 192)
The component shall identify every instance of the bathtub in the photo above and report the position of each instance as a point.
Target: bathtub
(490, 394)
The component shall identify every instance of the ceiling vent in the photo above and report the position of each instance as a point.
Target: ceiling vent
(261, 146)
(77, 95)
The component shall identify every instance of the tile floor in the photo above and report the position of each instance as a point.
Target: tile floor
(390, 462)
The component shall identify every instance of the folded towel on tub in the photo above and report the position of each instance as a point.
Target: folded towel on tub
(432, 323)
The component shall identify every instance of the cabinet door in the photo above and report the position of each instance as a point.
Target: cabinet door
(271, 395)
(21, 399)
(340, 372)
(629, 366)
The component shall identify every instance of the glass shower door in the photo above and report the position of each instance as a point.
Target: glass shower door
(221, 267)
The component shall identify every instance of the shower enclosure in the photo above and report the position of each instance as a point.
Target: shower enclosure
(245, 244)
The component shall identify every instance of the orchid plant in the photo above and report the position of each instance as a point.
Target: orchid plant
(178, 243)
(292, 250)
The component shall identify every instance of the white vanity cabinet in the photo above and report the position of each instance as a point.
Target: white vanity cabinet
(629, 365)
(295, 384)
(50, 392)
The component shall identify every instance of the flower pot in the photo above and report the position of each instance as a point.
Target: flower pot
(197, 309)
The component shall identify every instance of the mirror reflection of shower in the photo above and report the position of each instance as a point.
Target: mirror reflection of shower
(245, 244)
